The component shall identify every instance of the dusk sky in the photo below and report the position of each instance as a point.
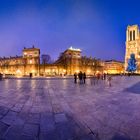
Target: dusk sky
(97, 27)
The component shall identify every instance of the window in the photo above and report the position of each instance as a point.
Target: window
(133, 35)
(130, 35)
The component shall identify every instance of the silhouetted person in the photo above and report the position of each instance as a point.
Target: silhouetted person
(98, 77)
(84, 77)
(129, 74)
(104, 75)
(75, 78)
(31, 75)
(80, 76)
(0, 76)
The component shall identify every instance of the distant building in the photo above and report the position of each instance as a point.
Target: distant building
(133, 45)
(69, 62)
(113, 67)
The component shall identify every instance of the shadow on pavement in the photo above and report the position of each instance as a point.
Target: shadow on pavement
(134, 89)
(119, 137)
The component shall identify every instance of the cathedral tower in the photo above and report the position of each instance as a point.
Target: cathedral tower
(132, 44)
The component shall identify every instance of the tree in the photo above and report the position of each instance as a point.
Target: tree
(96, 65)
(46, 59)
(132, 67)
(86, 62)
(91, 63)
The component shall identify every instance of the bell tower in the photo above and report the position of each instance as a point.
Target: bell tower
(132, 43)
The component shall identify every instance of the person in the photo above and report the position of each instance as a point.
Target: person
(98, 77)
(80, 76)
(104, 75)
(75, 78)
(93, 79)
(30, 75)
(109, 80)
(0, 76)
(84, 77)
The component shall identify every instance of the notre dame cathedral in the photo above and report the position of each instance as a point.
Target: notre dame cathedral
(133, 45)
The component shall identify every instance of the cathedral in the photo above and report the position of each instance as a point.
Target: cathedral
(133, 45)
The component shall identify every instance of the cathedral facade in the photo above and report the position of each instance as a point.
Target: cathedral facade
(133, 45)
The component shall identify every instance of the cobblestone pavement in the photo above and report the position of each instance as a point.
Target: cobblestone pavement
(62, 110)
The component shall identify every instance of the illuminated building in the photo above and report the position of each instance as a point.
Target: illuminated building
(22, 65)
(133, 45)
(113, 67)
(69, 62)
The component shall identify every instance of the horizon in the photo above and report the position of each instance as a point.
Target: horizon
(98, 28)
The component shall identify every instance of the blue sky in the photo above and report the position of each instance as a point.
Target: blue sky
(96, 26)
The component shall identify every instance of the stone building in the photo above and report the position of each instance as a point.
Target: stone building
(133, 45)
(22, 65)
(69, 62)
(113, 67)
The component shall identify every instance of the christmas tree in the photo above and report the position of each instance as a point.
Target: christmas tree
(132, 66)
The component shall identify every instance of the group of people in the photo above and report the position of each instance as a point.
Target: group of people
(94, 79)
(81, 76)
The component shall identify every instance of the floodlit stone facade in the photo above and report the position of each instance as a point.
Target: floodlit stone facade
(69, 62)
(133, 45)
(114, 67)
(21, 65)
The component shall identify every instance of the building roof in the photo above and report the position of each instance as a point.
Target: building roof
(29, 49)
(11, 57)
(74, 49)
(108, 61)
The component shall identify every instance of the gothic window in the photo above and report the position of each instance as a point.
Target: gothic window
(130, 35)
(133, 35)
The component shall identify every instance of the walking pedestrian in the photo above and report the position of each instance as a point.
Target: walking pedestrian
(98, 77)
(109, 80)
(93, 80)
(104, 75)
(75, 78)
(84, 77)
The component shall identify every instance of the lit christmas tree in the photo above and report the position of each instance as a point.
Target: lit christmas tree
(132, 66)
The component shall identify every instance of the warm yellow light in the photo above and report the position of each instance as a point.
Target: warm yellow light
(33, 71)
(105, 71)
(112, 71)
(6, 71)
(47, 70)
(88, 71)
(97, 71)
(77, 71)
(31, 61)
(64, 71)
(18, 73)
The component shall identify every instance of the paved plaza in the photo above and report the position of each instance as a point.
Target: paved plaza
(58, 109)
